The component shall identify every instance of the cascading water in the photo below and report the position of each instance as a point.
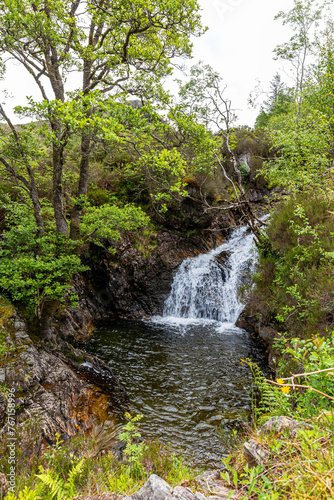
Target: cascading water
(183, 371)
(206, 287)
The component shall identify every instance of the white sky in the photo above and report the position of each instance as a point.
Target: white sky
(239, 45)
(242, 35)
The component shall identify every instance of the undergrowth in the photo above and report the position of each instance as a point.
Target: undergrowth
(68, 469)
(295, 279)
(295, 463)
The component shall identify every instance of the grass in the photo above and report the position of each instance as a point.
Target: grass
(300, 464)
(73, 468)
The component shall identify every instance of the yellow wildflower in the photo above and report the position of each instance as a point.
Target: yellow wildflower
(285, 389)
(280, 381)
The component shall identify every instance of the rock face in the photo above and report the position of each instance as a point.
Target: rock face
(59, 385)
(129, 284)
(265, 333)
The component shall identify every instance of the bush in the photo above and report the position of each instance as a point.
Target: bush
(295, 278)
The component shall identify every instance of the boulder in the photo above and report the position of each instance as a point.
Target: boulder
(155, 488)
(255, 453)
(279, 424)
(210, 482)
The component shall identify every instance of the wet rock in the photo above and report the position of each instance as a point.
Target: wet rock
(3, 485)
(210, 482)
(263, 332)
(49, 387)
(131, 285)
(279, 424)
(255, 195)
(255, 454)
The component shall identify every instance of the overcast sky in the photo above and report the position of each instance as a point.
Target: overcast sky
(239, 45)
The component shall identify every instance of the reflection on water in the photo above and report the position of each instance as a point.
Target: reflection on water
(186, 379)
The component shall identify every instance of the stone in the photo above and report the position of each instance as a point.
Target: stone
(199, 496)
(104, 496)
(180, 493)
(3, 485)
(255, 453)
(210, 482)
(155, 488)
(279, 424)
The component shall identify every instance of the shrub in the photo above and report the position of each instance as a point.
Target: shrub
(295, 278)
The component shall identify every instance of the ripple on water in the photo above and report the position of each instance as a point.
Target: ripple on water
(187, 380)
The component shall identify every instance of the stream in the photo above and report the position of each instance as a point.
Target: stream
(182, 371)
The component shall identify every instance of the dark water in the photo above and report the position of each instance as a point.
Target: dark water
(186, 379)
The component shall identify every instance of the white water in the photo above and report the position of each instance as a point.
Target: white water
(206, 287)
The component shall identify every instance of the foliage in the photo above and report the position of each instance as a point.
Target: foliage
(107, 221)
(26, 494)
(265, 397)
(310, 356)
(299, 465)
(278, 103)
(294, 281)
(64, 474)
(59, 488)
(42, 267)
(133, 451)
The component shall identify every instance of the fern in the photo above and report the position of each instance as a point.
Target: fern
(60, 488)
(26, 494)
(271, 399)
(75, 472)
(54, 483)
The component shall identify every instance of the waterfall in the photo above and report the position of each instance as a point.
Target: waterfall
(206, 287)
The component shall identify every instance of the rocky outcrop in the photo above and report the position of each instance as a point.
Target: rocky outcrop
(130, 284)
(65, 390)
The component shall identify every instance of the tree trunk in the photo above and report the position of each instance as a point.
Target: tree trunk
(86, 139)
(83, 184)
(58, 196)
(36, 204)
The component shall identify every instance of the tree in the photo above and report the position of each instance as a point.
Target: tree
(119, 49)
(304, 153)
(204, 96)
(303, 19)
(278, 102)
(122, 47)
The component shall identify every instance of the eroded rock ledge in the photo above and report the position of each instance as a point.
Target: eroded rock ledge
(64, 389)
